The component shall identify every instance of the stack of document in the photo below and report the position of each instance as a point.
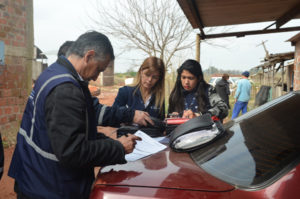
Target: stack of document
(145, 147)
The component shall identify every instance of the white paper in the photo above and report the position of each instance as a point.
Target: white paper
(145, 147)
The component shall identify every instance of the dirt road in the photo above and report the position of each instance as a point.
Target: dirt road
(7, 183)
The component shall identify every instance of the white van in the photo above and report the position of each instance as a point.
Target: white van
(232, 82)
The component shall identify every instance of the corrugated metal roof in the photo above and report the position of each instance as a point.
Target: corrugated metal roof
(211, 13)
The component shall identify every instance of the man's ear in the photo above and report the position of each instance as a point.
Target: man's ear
(89, 55)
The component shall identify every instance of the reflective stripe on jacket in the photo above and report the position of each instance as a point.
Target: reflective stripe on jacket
(34, 165)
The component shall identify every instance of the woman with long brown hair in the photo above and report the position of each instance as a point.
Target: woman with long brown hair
(147, 93)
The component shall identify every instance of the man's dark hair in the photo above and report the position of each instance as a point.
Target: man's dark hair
(225, 76)
(92, 41)
(64, 48)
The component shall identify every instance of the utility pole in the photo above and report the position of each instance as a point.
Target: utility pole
(267, 52)
(198, 42)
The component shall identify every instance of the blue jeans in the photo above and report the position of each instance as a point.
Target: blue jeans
(238, 106)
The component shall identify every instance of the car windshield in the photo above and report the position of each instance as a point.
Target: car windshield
(258, 147)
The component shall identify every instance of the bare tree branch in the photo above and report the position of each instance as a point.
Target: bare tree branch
(157, 27)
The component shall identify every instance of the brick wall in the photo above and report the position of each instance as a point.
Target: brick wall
(297, 66)
(16, 31)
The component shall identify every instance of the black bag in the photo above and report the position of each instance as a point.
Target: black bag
(172, 123)
(195, 133)
(170, 128)
(155, 130)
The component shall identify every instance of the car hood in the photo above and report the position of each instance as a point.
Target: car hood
(165, 169)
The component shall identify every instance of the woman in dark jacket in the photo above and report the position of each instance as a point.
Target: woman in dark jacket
(147, 94)
(192, 96)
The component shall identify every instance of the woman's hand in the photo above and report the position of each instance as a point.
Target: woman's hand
(142, 118)
(174, 115)
(188, 114)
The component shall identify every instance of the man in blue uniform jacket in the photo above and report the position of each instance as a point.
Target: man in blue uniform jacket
(58, 145)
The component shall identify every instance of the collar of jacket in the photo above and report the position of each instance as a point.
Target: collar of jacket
(139, 94)
(185, 92)
(62, 60)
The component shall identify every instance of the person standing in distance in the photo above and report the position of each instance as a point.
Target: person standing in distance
(242, 95)
(57, 144)
(222, 88)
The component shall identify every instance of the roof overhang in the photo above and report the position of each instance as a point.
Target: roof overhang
(212, 13)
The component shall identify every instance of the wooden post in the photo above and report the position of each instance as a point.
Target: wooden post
(198, 40)
(264, 78)
(282, 75)
(273, 82)
(288, 79)
(269, 83)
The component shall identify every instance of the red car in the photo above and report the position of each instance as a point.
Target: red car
(258, 156)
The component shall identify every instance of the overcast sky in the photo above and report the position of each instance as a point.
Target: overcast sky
(56, 21)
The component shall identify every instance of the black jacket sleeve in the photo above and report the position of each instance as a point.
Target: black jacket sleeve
(122, 97)
(218, 106)
(65, 119)
(112, 115)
